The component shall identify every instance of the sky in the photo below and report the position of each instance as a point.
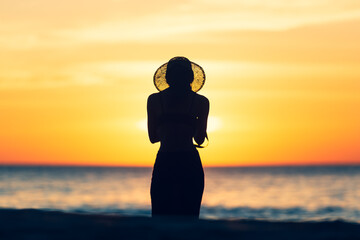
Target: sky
(283, 79)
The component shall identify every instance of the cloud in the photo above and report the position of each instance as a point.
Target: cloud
(47, 43)
(117, 73)
(194, 17)
(47, 23)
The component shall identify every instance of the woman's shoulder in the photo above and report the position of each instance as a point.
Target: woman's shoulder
(202, 99)
(157, 95)
(153, 97)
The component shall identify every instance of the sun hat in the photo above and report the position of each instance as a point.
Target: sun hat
(160, 75)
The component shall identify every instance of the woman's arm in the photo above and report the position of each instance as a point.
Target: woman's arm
(152, 119)
(200, 133)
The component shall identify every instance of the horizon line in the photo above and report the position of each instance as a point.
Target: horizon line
(210, 166)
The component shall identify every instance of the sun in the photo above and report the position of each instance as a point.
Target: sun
(214, 124)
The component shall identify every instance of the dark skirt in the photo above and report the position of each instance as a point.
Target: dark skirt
(177, 184)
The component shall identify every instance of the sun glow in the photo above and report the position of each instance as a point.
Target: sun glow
(214, 124)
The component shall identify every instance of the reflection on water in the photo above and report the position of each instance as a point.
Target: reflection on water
(297, 193)
(284, 187)
(67, 188)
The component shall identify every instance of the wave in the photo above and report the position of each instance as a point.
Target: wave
(289, 214)
(221, 212)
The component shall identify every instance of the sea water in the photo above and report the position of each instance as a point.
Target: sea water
(273, 193)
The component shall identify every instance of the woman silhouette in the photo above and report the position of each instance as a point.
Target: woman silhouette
(176, 116)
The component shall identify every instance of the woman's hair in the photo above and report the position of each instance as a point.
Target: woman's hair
(179, 73)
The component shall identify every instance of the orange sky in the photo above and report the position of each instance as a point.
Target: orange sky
(283, 79)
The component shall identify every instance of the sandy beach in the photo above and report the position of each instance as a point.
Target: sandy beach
(39, 224)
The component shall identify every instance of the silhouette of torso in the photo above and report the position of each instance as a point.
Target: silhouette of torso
(176, 121)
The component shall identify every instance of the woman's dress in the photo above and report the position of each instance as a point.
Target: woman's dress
(177, 182)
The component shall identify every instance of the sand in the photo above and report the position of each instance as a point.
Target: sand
(39, 224)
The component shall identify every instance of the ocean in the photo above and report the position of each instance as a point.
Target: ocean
(271, 193)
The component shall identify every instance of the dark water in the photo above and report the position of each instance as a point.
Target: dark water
(278, 193)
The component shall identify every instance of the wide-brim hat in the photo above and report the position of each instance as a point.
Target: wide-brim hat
(160, 77)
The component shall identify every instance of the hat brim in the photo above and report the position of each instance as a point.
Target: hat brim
(160, 79)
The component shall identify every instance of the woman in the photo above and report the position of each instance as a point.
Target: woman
(176, 116)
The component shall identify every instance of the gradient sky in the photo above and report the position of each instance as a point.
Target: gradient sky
(283, 79)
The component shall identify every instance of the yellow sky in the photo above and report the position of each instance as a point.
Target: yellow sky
(283, 79)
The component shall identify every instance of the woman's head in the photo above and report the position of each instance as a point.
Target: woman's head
(179, 73)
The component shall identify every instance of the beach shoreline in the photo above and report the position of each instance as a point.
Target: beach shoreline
(41, 224)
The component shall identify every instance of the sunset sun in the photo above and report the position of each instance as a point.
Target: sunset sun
(214, 124)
